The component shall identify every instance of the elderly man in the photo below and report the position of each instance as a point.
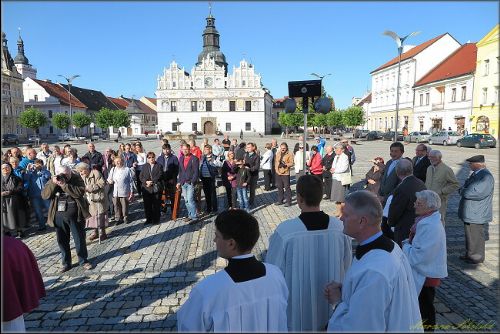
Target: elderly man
(378, 293)
(426, 251)
(401, 211)
(95, 158)
(68, 208)
(475, 208)
(29, 159)
(440, 179)
(327, 163)
(421, 162)
(44, 153)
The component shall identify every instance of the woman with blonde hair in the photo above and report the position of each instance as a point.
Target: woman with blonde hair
(94, 192)
(122, 178)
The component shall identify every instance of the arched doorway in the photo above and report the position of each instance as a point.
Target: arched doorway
(208, 128)
(483, 124)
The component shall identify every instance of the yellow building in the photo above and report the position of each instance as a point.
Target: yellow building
(485, 109)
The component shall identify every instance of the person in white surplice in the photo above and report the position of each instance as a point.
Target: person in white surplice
(311, 251)
(247, 296)
(378, 293)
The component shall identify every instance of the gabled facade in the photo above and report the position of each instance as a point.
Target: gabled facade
(485, 110)
(142, 117)
(209, 99)
(415, 63)
(443, 97)
(365, 103)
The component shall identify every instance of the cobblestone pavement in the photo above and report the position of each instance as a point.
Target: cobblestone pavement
(144, 273)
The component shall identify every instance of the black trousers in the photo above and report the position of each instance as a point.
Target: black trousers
(327, 183)
(252, 185)
(268, 178)
(108, 190)
(151, 207)
(138, 182)
(283, 184)
(169, 186)
(427, 310)
(386, 229)
(273, 177)
(474, 241)
(66, 222)
(210, 193)
(229, 195)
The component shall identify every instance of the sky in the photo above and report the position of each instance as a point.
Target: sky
(121, 47)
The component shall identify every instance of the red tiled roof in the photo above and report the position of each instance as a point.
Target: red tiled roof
(410, 53)
(144, 107)
(60, 93)
(120, 103)
(280, 99)
(461, 62)
(152, 100)
(367, 99)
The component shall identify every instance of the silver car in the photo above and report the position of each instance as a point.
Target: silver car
(417, 137)
(444, 138)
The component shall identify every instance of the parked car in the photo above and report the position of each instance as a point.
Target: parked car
(417, 137)
(64, 136)
(444, 138)
(360, 133)
(33, 138)
(477, 140)
(374, 135)
(389, 135)
(10, 138)
(198, 133)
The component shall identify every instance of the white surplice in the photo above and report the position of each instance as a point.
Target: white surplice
(218, 304)
(309, 260)
(378, 295)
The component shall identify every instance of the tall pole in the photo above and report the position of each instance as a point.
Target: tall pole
(400, 49)
(305, 110)
(70, 111)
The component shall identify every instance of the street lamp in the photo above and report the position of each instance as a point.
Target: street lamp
(399, 41)
(320, 77)
(92, 125)
(69, 80)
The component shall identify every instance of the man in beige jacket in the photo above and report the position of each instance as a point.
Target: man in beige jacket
(441, 179)
(283, 163)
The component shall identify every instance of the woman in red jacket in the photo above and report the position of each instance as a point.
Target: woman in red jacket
(314, 163)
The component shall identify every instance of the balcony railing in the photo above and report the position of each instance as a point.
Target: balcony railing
(437, 106)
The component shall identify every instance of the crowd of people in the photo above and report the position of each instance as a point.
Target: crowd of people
(309, 281)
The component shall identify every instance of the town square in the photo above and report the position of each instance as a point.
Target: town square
(227, 197)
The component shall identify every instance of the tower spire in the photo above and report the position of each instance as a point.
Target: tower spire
(211, 46)
(20, 58)
(210, 9)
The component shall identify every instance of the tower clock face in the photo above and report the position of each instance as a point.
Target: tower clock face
(208, 82)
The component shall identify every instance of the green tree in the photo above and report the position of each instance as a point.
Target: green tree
(105, 118)
(334, 118)
(61, 121)
(81, 120)
(353, 116)
(33, 118)
(319, 121)
(121, 118)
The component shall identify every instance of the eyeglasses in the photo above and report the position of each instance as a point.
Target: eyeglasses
(151, 157)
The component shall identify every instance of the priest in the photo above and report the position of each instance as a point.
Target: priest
(378, 293)
(247, 296)
(311, 251)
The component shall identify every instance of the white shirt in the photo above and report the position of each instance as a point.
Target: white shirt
(309, 260)
(141, 160)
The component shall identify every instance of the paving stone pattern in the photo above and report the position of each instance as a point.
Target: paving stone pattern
(144, 273)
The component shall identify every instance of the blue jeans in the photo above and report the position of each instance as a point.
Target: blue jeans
(38, 204)
(188, 194)
(242, 198)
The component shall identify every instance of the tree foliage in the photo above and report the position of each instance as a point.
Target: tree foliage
(61, 121)
(121, 118)
(81, 119)
(105, 118)
(33, 118)
(334, 118)
(353, 116)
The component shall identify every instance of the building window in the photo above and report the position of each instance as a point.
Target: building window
(248, 126)
(209, 105)
(453, 94)
(421, 99)
(406, 121)
(194, 106)
(50, 114)
(485, 95)
(232, 105)
(248, 105)
(228, 126)
(174, 126)
(51, 130)
(194, 127)
(243, 83)
(36, 98)
(464, 93)
(486, 67)
(174, 84)
(427, 98)
(173, 106)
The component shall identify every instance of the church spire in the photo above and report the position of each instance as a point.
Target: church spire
(211, 45)
(20, 58)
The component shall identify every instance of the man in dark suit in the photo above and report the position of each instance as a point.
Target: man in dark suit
(390, 180)
(402, 211)
(421, 162)
(475, 208)
(188, 177)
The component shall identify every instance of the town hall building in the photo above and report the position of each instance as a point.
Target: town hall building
(210, 99)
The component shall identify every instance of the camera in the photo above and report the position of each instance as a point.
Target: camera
(282, 165)
(61, 177)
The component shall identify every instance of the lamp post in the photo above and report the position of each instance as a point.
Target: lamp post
(399, 41)
(69, 80)
(91, 130)
(320, 77)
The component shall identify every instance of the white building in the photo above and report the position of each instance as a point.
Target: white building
(443, 97)
(210, 99)
(415, 63)
(365, 102)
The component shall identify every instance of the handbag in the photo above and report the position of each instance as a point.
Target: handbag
(345, 178)
(155, 185)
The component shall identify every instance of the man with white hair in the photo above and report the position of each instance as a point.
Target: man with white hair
(378, 293)
(68, 208)
(426, 251)
(440, 179)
